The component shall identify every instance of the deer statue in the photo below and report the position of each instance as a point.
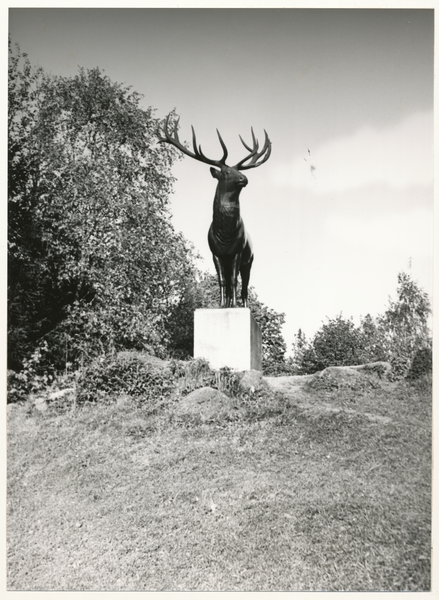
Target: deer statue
(228, 240)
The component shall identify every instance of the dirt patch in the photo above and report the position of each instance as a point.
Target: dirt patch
(288, 384)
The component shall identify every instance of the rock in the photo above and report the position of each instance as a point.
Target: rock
(343, 373)
(252, 381)
(354, 377)
(206, 402)
(57, 397)
(59, 394)
(381, 368)
(123, 400)
(154, 363)
(40, 403)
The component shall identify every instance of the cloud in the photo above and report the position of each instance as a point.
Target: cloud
(409, 233)
(397, 156)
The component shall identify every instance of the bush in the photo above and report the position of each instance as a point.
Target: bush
(149, 380)
(400, 365)
(193, 374)
(127, 373)
(33, 377)
(422, 364)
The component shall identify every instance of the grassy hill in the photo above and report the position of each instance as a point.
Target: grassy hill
(318, 483)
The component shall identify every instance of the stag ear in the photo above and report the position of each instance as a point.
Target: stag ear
(215, 173)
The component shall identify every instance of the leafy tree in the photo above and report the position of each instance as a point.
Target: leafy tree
(404, 325)
(273, 343)
(180, 322)
(94, 262)
(26, 274)
(422, 363)
(337, 343)
(372, 347)
(302, 359)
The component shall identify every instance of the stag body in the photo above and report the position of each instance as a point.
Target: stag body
(228, 240)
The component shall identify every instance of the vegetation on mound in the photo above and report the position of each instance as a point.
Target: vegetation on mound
(143, 380)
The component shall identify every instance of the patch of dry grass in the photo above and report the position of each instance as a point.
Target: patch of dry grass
(283, 498)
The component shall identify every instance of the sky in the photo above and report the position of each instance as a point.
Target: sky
(345, 201)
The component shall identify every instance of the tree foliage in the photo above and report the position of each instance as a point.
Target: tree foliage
(94, 262)
(338, 342)
(404, 324)
(273, 343)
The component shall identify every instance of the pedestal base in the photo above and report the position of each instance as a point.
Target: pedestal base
(228, 337)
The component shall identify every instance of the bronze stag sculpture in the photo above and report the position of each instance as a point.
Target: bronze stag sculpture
(228, 240)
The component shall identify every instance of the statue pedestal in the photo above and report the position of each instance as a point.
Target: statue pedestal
(228, 337)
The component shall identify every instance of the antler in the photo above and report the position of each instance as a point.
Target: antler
(254, 155)
(256, 158)
(197, 153)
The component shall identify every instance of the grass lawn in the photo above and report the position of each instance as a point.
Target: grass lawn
(327, 491)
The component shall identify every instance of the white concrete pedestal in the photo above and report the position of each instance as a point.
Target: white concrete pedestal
(228, 337)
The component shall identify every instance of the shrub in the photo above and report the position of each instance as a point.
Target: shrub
(193, 374)
(400, 362)
(126, 373)
(422, 364)
(149, 380)
(196, 373)
(33, 377)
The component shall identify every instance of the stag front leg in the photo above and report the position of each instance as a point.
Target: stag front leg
(220, 271)
(236, 263)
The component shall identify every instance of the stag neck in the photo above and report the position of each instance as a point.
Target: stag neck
(226, 198)
(226, 222)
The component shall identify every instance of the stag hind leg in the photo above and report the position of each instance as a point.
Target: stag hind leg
(245, 278)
